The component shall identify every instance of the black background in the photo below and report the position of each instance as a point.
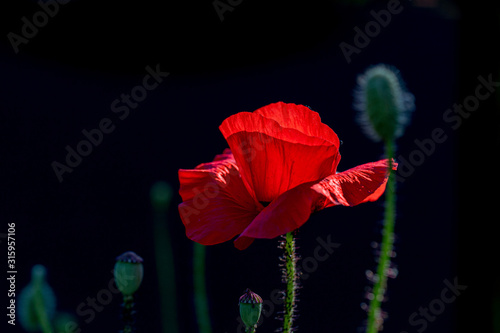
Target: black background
(66, 77)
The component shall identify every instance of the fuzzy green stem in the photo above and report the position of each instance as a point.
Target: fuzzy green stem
(375, 319)
(200, 292)
(40, 310)
(290, 278)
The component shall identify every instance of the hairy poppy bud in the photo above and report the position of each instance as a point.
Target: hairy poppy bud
(383, 103)
(250, 308)
(128, 272)
(37, 302)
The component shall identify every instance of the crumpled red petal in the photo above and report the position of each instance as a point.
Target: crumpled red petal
(279, 147)
(352, 187)
(216, 205)
(293, 208)
(300, 118)
(288, 212)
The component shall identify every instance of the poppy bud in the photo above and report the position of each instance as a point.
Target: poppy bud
(250, 308)
(37, 302)
(383, 103)
(128, 272)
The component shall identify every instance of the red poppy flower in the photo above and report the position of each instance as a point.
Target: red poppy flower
(280, 168)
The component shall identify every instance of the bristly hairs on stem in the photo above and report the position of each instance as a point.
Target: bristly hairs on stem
(385, 268)
(384, 106)
(290, 276)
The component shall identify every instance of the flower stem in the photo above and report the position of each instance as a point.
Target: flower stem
(128, 314)
(200, 292)
(290, 278)
(41, 311)
(166, 273)
(375, 319)
(250, 330)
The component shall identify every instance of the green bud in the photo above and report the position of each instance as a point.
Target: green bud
(128, 273)
(383, 103)
(161, 193)
(250, 308)
(37, 302)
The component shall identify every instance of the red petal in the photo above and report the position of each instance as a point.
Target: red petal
(279, 147)
(287, 213)
(216, 204)
(301, 118)
(363, 183)
(294, 207)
